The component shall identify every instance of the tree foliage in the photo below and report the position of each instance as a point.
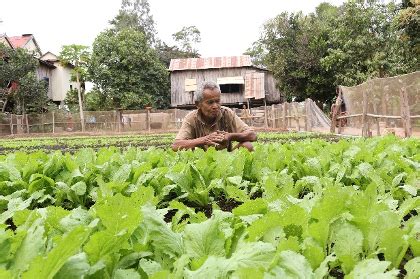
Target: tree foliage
(127, 71)
(186, 38)
(184, 47)
(408, 23)
(311, 54)
(135, 14)
(18, 66)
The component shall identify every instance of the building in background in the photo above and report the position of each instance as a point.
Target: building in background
(50, 70)
(240, 81)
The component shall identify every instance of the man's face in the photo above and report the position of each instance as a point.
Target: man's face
(210, 105)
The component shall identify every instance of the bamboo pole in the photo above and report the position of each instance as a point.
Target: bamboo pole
(53, 122)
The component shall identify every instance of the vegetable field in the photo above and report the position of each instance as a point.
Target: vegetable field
(292, 209)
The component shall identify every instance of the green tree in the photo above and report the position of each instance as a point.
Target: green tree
(135, 14)
(127, 71)
(408, 24)
(185, 40)
(364, 44)
(78, 57)
(311, 54)
(31, 96)
(291, 46)
(19, 66)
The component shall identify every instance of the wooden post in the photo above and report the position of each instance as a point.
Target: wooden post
(53, 122)
(405, 112)
(340, 121)
(365, 132)
(289, 113)
(308, 113)
(265, 115)
(334, 109)
(284, 115)
(297, 116)
(43, 122)
(27, 123)
(251, 119)
(375, 111)
(273, 117)
(11, 124)
(148, 119)
(119, 120)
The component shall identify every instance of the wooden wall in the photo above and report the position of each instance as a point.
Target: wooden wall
(181, 98)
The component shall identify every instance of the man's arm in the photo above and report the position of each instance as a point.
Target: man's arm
(247, 135)
(210, 140)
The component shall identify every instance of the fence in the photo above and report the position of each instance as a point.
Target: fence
(379, 106)
(299, 116)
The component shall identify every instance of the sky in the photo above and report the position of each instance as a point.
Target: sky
(228, 27)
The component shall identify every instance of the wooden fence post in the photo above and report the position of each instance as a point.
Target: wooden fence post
(375, 111)
(308, 113)
(273, 117)
(405, 112)
(284, 115)
(119, 120)
(265, 115)
(27, 123)
(365, 132)
(11, 124)
(53, 122)
(334, 109)
(297, 116)
(148, 118)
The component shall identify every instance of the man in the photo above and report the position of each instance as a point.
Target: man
(212, 124)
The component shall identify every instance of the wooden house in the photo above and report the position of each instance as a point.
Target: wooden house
(240, 81)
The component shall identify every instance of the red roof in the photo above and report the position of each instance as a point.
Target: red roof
(19, 41)
(210, 62)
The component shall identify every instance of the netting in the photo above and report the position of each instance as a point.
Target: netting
(295, 115)
(385, 102)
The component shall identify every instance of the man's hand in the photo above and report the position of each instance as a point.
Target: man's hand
(214, 139)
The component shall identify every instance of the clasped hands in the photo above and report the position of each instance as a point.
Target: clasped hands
(216, 138)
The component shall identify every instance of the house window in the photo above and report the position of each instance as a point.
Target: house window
(190, 85)
(231, 84)
(231, 88)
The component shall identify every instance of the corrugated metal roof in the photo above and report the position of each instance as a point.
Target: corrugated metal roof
(210, 62)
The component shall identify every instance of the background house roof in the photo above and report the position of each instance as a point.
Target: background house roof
(210, 62)
(20, 41)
